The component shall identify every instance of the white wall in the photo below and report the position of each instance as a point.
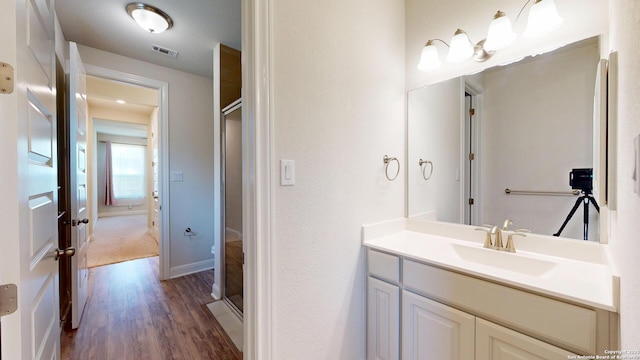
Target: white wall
(537, 125)
(338, 108)
(190, 151)
(439, 19)
(625, 242)
(435, 114)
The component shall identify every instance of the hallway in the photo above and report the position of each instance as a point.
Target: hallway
(132, 315)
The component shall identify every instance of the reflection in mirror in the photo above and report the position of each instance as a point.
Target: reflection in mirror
(524, 127)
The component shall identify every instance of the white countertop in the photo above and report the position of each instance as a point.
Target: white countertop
(579, 273)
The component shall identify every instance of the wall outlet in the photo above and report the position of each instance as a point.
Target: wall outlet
(176, 176)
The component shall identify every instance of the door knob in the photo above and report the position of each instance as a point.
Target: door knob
(76, 222)
(70, 251)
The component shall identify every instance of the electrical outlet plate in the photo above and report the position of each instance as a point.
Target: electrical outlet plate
(6, 78)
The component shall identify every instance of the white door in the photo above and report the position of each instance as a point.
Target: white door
(494, 342)
(29, 187)
(155, 217)
(383, 320)
(78, 181)
(431, 330)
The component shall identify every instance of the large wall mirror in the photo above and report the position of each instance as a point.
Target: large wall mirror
(510, 143)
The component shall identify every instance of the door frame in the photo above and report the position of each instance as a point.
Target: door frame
(223, 203)
(257, 170)
(476, 91)
(163, 153)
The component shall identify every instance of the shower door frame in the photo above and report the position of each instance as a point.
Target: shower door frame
(223, 228)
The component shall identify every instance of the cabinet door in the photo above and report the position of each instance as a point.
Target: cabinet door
(383, 320)
(431, 330)
(497, 342)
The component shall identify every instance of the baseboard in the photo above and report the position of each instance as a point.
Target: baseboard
(237, 233)
(216, 293)
(122, 213)
(187, 269)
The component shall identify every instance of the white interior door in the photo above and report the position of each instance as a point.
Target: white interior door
(78, 181)
(33, 332)
(155, 217)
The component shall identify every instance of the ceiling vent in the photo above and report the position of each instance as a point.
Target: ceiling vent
(164, 51)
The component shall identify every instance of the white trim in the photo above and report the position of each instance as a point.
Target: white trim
(192, 268)
(123, 213)
(216, 293)
(257, 132)
(163, 118)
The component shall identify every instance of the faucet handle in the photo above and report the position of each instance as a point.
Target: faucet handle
(505, 225)
(498, 233)
(522, 231)
(487, 240)
(510, 247)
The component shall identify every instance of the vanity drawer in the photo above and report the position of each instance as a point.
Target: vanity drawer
(384, 266)
(566, 325)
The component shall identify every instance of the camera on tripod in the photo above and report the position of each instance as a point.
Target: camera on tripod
(582, 179)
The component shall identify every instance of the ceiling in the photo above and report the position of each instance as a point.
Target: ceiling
(103, 93)
(198, 26)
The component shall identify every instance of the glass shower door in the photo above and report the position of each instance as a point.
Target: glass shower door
(232, 209)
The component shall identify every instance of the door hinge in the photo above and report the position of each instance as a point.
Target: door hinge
(243, 258)
(472, 156)
(472, 112)
(8, 299)
(471, 201)
(6, 78)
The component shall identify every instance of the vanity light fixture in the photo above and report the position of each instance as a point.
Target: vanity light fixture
(543, 18)
(149, 17)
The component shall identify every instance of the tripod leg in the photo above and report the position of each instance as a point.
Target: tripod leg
(585, 219)
(573, 211)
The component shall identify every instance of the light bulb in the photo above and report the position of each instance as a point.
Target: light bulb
(461, 48)
(543, 18)
(429, 58)
(500, 34)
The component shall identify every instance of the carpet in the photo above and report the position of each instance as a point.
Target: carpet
(120, 238)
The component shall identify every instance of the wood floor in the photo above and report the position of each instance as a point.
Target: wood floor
(130, 314)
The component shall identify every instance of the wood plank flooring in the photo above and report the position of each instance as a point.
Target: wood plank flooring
(130, 314)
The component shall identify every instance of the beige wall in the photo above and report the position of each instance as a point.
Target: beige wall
(625, 241)
(338, 108)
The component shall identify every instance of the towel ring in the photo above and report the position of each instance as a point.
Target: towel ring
(387, 160)
(424, 168)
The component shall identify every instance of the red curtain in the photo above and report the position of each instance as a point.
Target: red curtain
(108, 189)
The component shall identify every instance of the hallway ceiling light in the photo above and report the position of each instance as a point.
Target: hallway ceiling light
(120, 101)
(543, 18)
(149, 17)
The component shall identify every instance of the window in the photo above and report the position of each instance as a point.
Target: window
(128, 165)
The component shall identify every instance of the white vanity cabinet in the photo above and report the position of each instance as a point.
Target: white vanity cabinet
(431, 330)
(494, 342)
(433, 313)
(383, 306)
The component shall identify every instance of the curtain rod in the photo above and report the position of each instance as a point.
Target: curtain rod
(122, 143)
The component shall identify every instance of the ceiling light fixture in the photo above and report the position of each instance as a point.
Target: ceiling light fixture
(543, 18)
(119, 101)
(150, 17)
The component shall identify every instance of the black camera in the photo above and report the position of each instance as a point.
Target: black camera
(581, 179)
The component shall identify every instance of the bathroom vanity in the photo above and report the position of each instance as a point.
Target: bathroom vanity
(434, 292)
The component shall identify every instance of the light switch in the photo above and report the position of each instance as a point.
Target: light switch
(176, 176)
(287, 172)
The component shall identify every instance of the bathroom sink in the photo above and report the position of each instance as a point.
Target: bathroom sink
(504, 260)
